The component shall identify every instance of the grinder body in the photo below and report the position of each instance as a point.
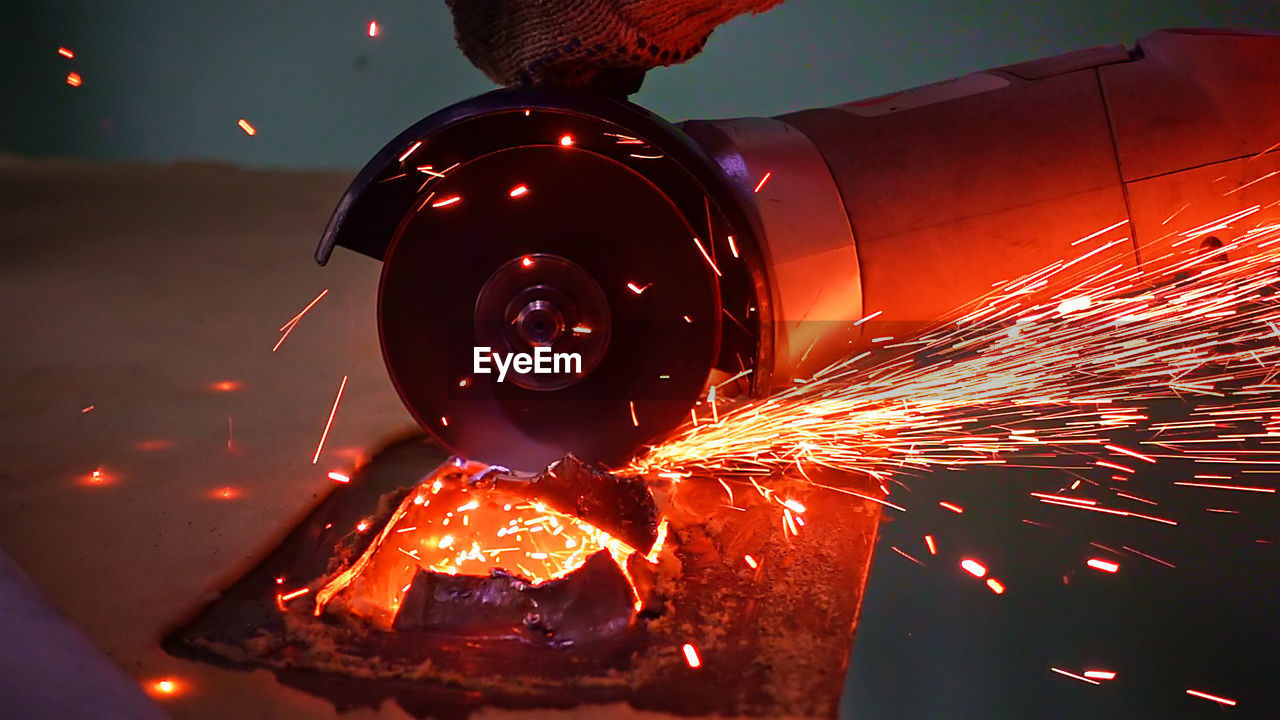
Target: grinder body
(748, 253)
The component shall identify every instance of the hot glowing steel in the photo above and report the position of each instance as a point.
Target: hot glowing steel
(459, 530)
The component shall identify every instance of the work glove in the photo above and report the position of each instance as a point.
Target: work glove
(598, 45)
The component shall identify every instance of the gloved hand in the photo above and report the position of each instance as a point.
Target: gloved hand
(599, 45)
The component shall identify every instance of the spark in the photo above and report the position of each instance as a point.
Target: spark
(339, 477)
(293, 322)
(906, 555)
(933, 548)
(763, 180)
(1100, 674)
(373, 28)
(1074, 676)
(865, 318)
(226, 385)
(691, 656)
(66, 53)
(733, 246)
(1103, 565)
(519, 191)
(634, 421)
(86, 409)
(750, 561)
(1103, 231)
(1214, 698)
(1214, 486)
(952, 507)
(412, 149)
(1130, 453)
(451, 200)
(328, 424)
(974, 568)
(295, 594)
(566, 140)
(581, 330)
(638, 289)
(246, 127)
(74, 79)
(706, 257)
(996, 586)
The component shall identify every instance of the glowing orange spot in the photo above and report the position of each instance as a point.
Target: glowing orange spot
(86, 409)
(74, 80)
(153, 445)
(362, 526)
(996, 586)
(526, 261)
(444, 421)
(339, 477)
(566, 140)
(974, 568)
(953, 508)
(226, 493)
(691, 656)
(373, 28)
(64, 52)
(751, 561)
(97, 478)
(1100, 674)
(454, 200)
(1103, 565)
(518, 190)
(246, 127)
(164, 688)
(464, 382)
(226, 386)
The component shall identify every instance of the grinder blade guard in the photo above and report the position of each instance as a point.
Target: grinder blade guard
(582, 232)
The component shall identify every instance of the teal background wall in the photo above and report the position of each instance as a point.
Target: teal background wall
(168, 79)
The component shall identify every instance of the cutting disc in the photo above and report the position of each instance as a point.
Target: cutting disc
(558, 252)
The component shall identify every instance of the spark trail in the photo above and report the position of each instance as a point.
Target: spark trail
(1049, 366)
